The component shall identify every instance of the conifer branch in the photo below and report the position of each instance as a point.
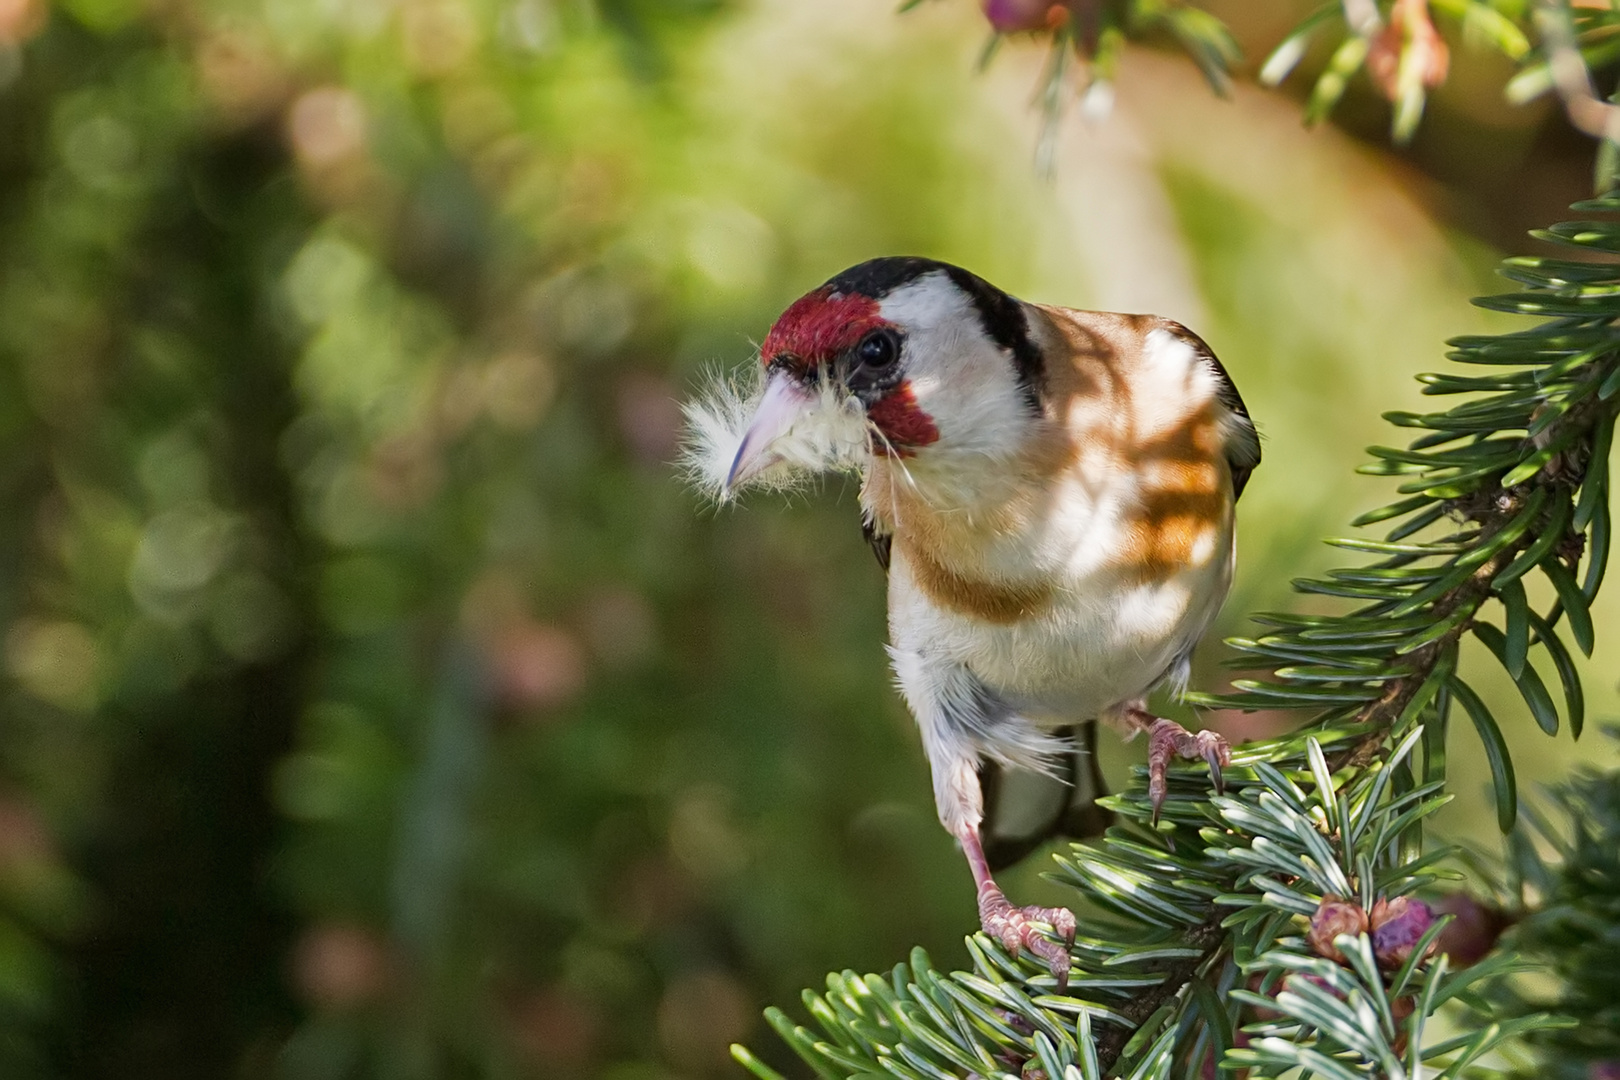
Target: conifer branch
(1210, 937)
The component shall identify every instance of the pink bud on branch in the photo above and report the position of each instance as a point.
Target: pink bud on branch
(1473, 930)
(1336, 916)
(1397, 925)
(1013, 16)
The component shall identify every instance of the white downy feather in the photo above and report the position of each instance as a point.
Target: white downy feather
(830, 434)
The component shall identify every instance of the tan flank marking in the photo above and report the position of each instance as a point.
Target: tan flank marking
(946, 550)
(992, 602)
(1186, 500)
(1160, 546)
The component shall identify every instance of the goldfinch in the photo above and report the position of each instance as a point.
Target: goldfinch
(1052, 492)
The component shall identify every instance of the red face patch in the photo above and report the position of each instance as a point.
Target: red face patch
(904, 425)
(819, 326)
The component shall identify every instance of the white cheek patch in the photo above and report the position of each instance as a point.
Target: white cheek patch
(828, 435)
(960, 378)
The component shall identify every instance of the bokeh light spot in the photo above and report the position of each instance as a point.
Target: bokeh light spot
(325, 277)
(326, 126)
(341, 966)
(536, 665)
(700, 1016)
(555, 1029)
(179, 550)
(621, 628)
(101, 151)
(21, 20)
(55, 661)
(703, 836)
(730, 246)
(252, 620)
(649, 418)
(439, 36)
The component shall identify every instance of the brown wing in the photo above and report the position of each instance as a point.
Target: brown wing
(882, 543)
(1023, 810)
(1095, 341)
(1243, 447)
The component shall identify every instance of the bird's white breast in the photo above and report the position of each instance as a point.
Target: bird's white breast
(1105, 632)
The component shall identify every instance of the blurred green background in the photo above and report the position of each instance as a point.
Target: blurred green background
(377, 701)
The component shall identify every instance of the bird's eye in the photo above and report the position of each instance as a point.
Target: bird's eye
(878, 350)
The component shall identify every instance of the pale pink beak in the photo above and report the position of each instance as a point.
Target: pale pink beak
(784, 402)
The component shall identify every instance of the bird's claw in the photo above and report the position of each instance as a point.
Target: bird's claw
(1014, 928)
(1167, 739)
(1217, 755)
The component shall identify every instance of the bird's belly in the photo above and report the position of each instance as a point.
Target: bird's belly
(1098, 641)
(1075, 663)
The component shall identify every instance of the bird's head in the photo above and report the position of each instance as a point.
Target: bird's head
(901, 358)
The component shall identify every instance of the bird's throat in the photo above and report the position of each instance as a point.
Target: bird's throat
(902, 423)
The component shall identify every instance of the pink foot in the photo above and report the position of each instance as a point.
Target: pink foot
(1167, 739)
(1014, 928)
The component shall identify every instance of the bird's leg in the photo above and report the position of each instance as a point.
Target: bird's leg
(1167, 739)
(1013, 926)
